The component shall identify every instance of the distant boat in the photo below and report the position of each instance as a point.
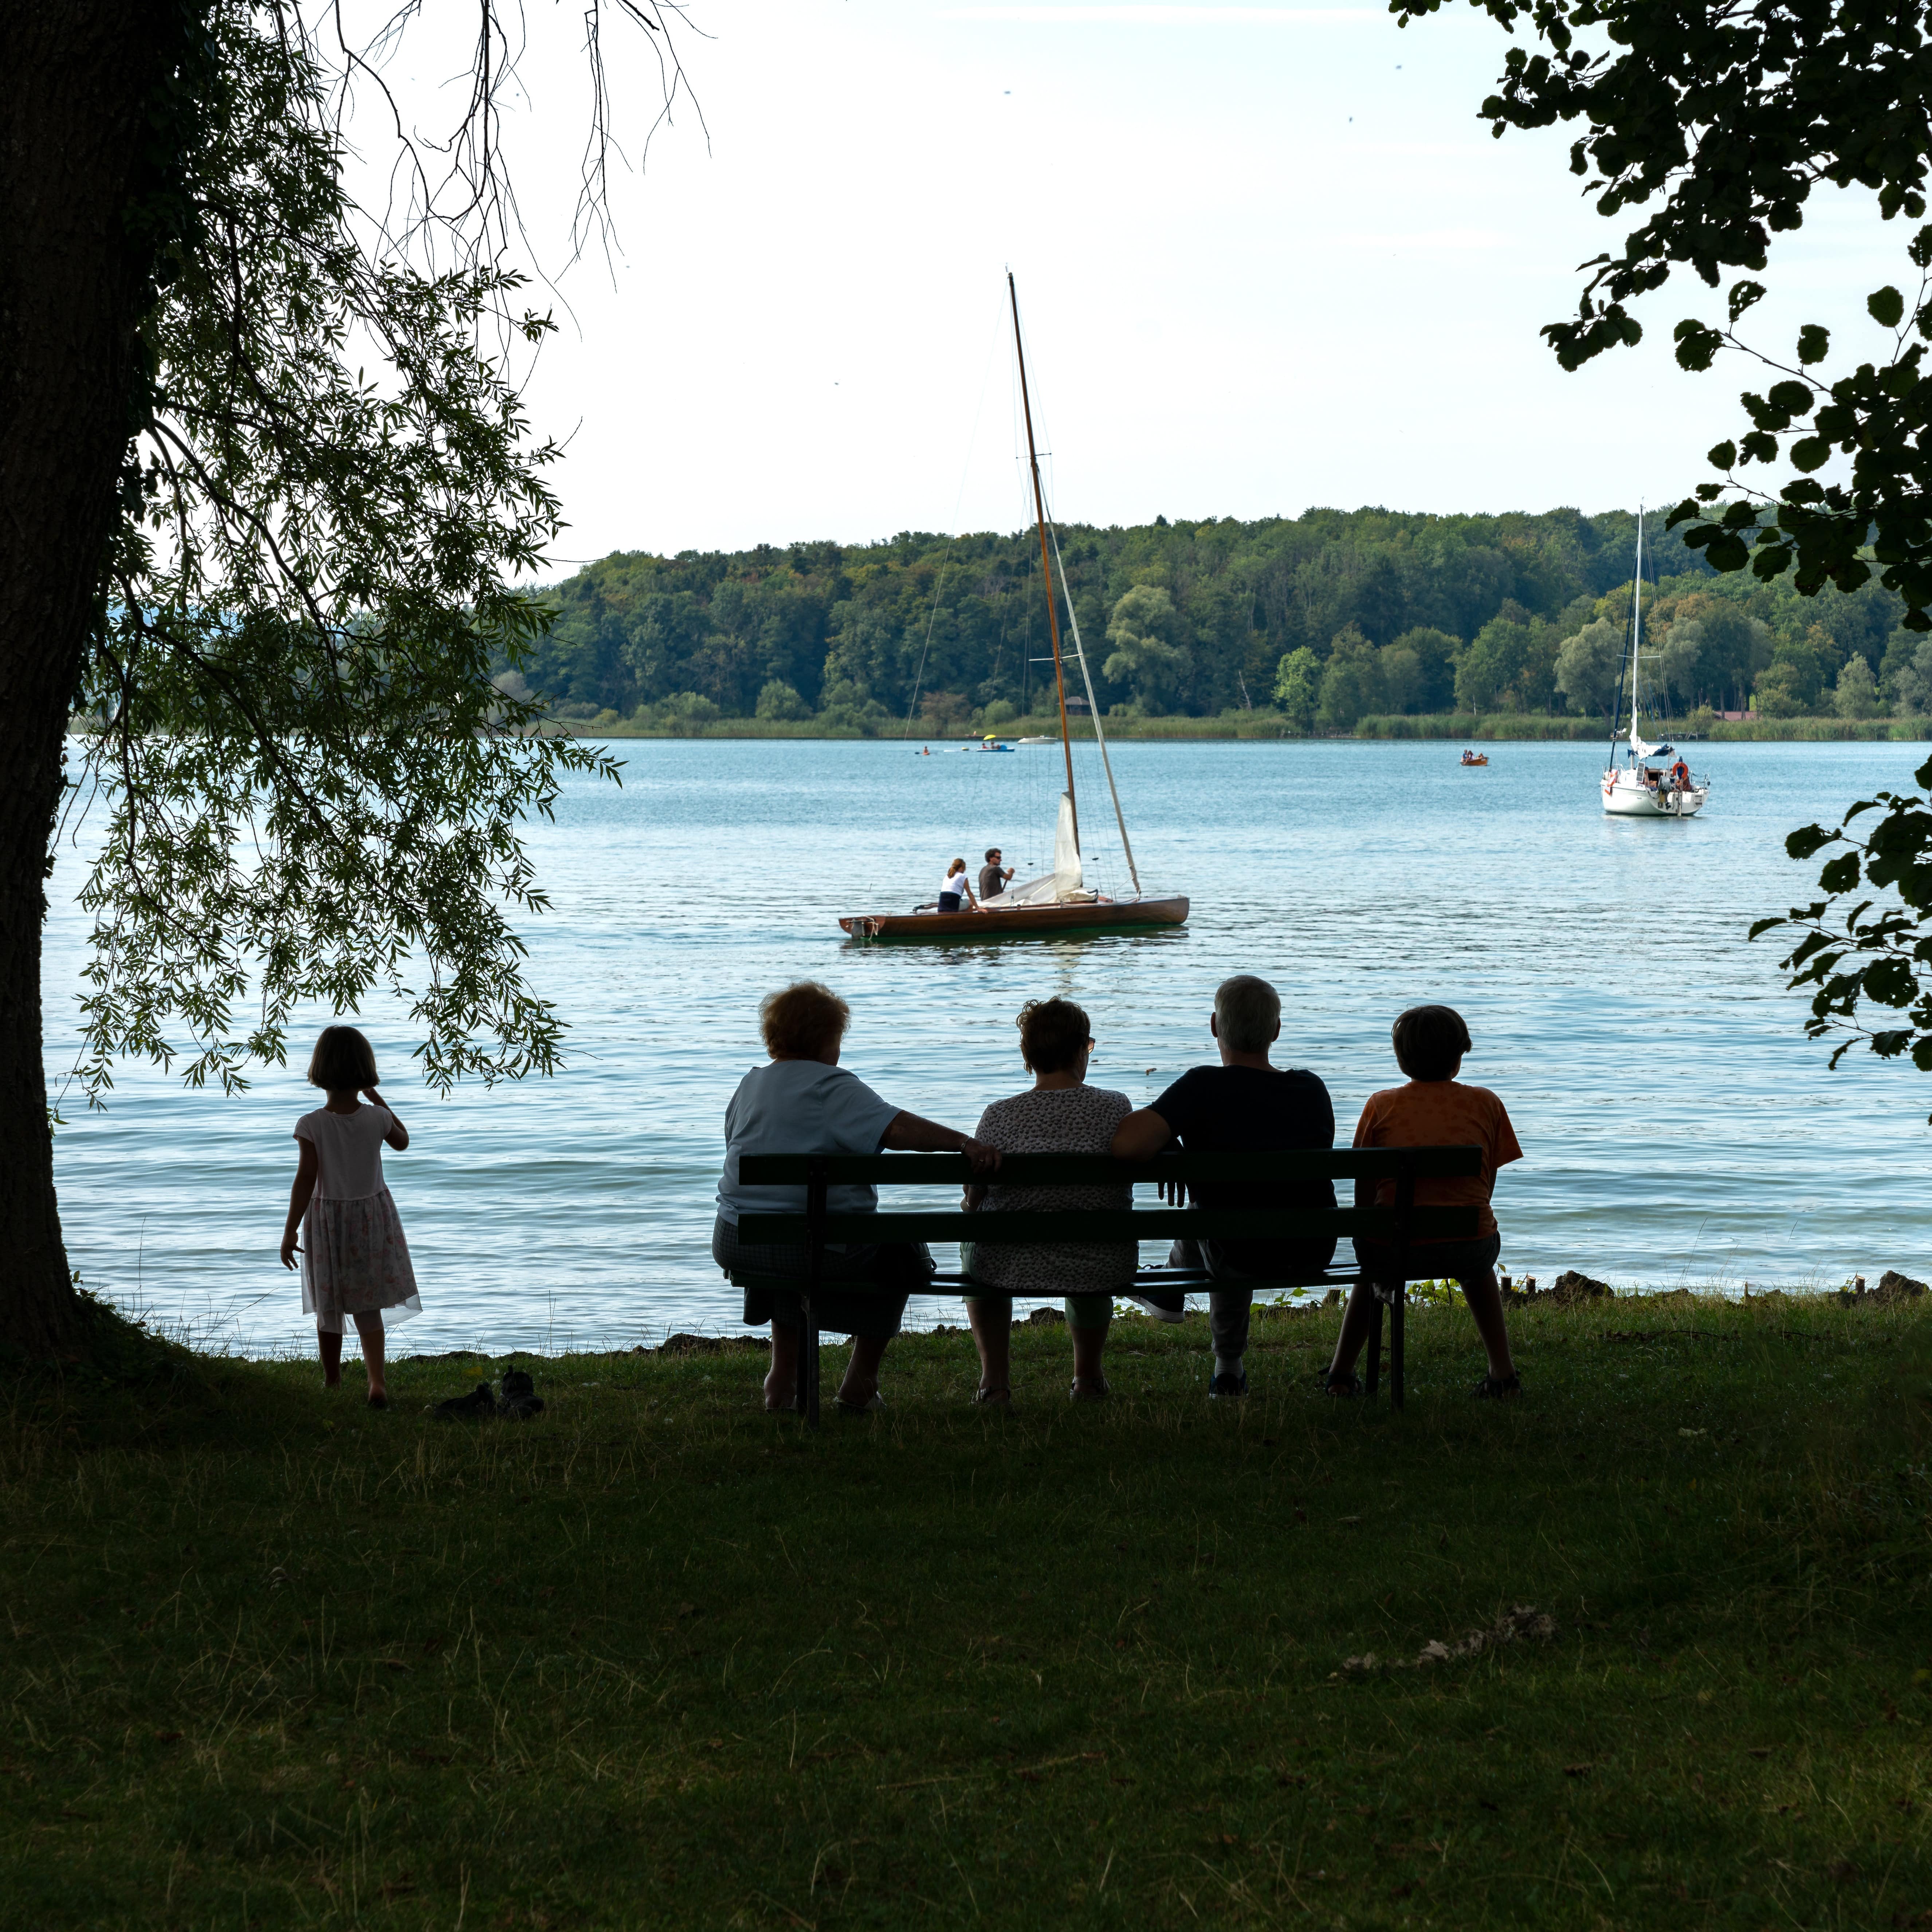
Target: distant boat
(1637, 788)
(990, 742)
(1060, 900)
(1475, 757)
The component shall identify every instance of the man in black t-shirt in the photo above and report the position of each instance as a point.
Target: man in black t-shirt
(993, 876)
(1244, 1105)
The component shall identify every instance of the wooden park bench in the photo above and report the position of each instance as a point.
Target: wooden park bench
(1398, 1226)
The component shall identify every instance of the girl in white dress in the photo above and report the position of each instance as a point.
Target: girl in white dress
(354, 1260)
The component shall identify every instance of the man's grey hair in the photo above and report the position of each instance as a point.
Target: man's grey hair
(1247, 1013)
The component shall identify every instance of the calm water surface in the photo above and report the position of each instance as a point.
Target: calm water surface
(1678, 1126)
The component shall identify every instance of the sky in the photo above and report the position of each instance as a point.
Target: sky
(1268, 258)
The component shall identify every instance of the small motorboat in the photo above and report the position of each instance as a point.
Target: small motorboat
(990, 742)
(1475, 757)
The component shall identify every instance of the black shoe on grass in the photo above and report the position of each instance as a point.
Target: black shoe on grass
(1222, 1386)
(520, 1399)
(463, 1408)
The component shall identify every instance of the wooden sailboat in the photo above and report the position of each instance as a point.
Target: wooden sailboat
(1059, 900)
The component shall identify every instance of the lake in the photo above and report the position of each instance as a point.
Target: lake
(1678, 1126)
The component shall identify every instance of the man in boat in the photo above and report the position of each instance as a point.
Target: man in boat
(992, 878)
(1680, 775)
(1243, 1106)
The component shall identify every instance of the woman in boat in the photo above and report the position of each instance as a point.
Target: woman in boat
(803, 1102)
(955, 888)
(1060, 1114)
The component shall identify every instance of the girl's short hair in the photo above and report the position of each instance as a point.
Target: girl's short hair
(799, 1022)
(342, 1061)
(1429, 1042)
(1052, 1032)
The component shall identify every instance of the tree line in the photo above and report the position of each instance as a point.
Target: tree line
(1327, 617)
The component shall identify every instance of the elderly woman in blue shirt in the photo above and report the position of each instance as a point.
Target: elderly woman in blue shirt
(802, 1101)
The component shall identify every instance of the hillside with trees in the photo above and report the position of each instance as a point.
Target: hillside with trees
(1321, 620)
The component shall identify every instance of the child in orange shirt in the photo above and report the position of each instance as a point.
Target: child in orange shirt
(1435, 1109)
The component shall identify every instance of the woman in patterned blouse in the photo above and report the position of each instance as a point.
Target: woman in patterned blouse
(1060, 1114)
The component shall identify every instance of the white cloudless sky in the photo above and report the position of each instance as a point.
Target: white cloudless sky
(1267, 257)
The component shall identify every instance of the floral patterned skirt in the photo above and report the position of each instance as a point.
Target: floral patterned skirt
(355, 1261)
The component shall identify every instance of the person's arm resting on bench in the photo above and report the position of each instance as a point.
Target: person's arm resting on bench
(908, 1134)
(1142, 1135)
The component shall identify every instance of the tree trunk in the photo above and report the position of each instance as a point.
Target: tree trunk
(77, 144)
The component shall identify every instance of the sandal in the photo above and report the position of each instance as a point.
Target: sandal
(1348, 1386)
(1094, 1391)
(877, 1402)
(1499, 1390)
(1002, 1397)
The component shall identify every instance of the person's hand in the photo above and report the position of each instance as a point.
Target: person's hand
(1173, 1192)
(981, 1158)
(289, 1251)
(374, 1099)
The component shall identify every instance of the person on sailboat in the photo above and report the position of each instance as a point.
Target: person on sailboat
(954, 888)
(1680, 775)
(1243, 1106)
(993, 876)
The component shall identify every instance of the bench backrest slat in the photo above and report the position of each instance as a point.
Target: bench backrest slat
(1046, 1170)
(1026, 1227)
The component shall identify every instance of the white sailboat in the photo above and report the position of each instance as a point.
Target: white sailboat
(1638, 788)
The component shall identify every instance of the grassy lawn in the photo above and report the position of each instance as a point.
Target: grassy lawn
(657, 1660)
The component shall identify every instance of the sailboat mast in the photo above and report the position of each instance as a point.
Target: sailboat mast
(1636, 629)
(1046, 567)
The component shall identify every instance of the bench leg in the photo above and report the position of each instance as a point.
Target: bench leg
(1396, 1309)
(808, 1363)
(1371, 1377)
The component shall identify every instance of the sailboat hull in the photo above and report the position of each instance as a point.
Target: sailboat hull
(1018, 922)
(1623, 800)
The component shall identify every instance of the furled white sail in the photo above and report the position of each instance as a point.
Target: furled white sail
(1066, 879)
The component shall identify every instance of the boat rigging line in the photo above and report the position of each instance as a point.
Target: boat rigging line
(1094, 707)
(1046, 567)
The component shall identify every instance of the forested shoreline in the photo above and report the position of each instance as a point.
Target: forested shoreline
(1334, 622)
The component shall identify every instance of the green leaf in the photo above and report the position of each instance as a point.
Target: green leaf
(1743, 296)
(1763, 926)
(1806, 840)
(1697, 346)
(1811, 452)
(1794, 397)
(1890, 983)
(1886, 307)
(1814, 343)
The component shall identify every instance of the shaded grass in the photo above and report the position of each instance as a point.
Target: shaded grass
(657, 1659)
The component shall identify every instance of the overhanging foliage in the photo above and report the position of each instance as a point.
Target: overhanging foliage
(311, 787)
(1727, 114)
